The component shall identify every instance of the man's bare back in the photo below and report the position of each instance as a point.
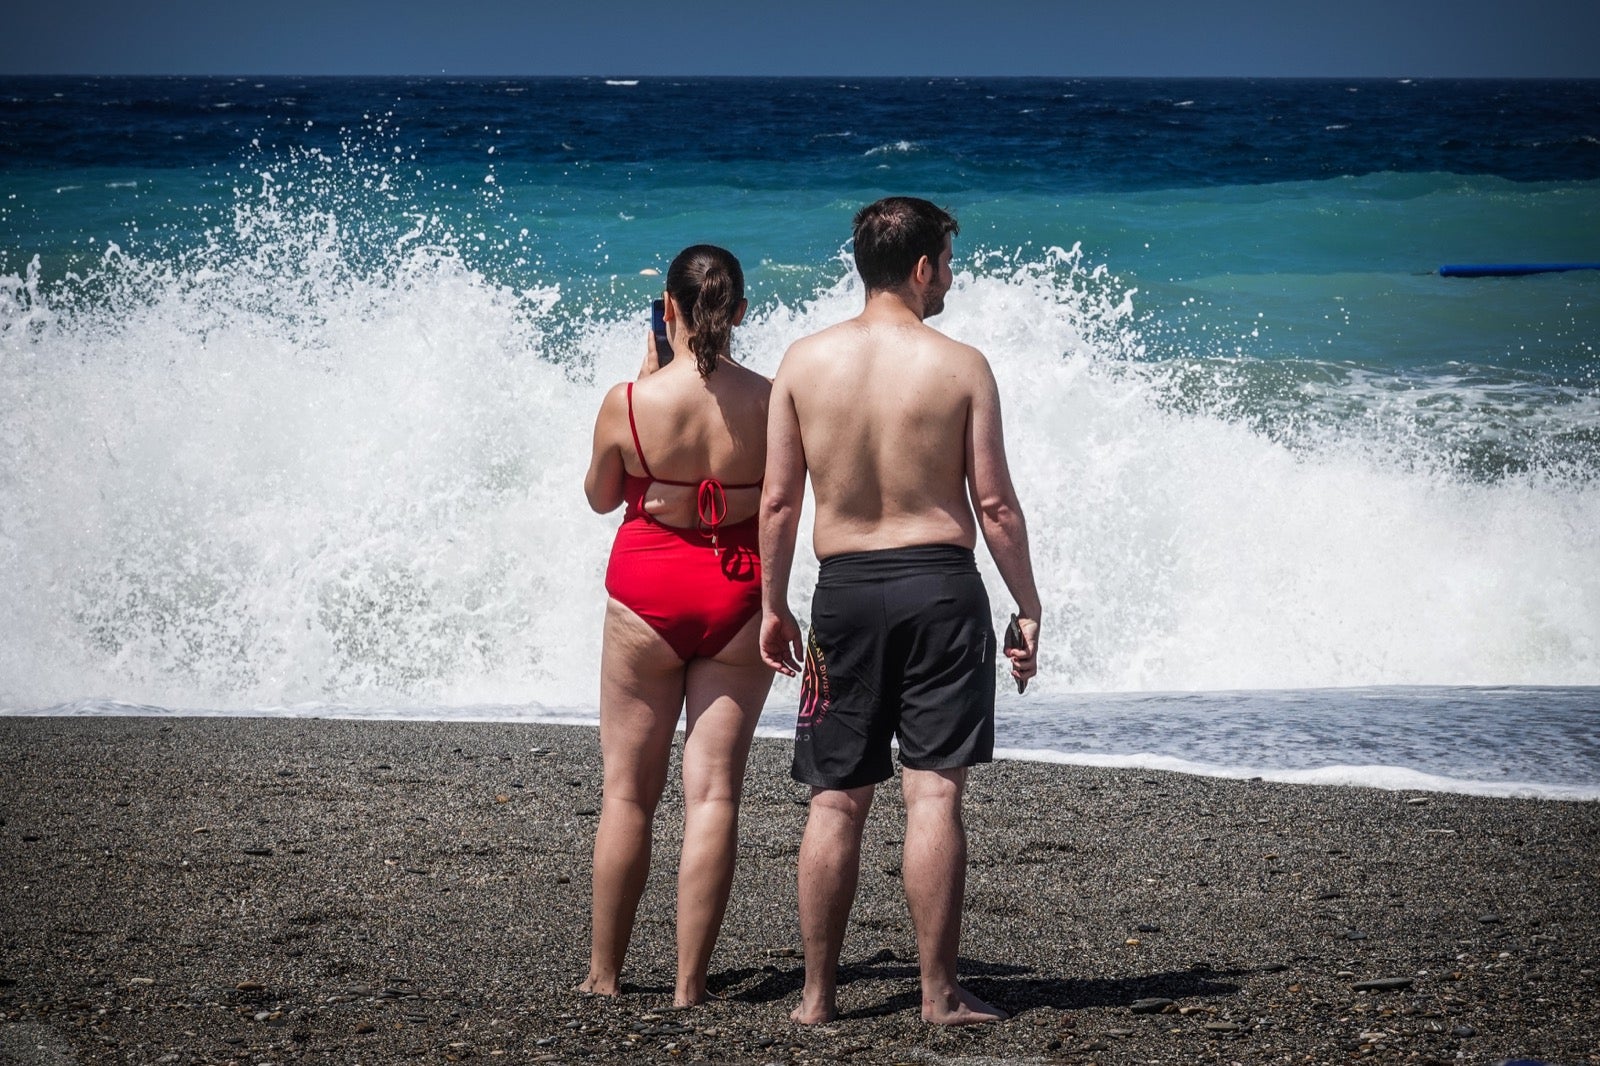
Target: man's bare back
(883, 407)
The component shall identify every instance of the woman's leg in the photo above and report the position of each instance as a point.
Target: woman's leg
(723, 698)
(641, 690)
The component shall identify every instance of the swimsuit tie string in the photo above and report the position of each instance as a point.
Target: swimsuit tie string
(712, 504)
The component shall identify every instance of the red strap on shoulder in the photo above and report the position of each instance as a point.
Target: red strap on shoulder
(634, 429)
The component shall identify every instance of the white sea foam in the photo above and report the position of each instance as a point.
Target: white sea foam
(274, 472)
(894, 148)
(1393, 778)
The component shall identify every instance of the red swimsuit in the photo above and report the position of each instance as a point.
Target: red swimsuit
(696, 587)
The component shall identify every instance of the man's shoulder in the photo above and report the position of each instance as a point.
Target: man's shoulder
(826, 337)
(951, 354)
(812, 348)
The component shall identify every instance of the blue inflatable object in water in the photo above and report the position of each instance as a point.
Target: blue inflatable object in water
(1502, 270)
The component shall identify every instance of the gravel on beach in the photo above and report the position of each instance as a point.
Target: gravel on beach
(273, 890)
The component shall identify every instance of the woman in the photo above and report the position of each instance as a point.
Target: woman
(684, 447)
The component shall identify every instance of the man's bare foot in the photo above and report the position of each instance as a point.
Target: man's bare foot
(691, 998)
(959, 1007)
(594, 986)
(814, 1010)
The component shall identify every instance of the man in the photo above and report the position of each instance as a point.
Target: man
(898, 427)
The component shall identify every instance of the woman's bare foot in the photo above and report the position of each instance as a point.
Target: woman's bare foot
(959, 1007)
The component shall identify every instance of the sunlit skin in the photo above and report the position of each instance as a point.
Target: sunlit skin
(695, 426)
(911, 447)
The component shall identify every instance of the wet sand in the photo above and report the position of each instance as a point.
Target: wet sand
(235, 890)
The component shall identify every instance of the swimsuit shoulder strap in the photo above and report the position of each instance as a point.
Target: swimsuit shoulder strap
(634, 429)
(639, 451)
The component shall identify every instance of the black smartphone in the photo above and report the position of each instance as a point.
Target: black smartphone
(1013, 639)
(658, 326)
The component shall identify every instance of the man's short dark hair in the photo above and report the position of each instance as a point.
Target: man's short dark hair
(892, 234)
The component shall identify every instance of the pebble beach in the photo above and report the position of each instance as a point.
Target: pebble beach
(274, 890)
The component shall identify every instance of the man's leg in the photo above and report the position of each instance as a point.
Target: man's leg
(935, 875)
(830, 862)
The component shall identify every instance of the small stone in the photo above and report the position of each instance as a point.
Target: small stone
(141, 980)
(1463, 1031)
(1147, 927)
(1222, 1027)
(250, 986)
(257, 851)
(584, 812)
(1133, 941)
(366, 1027)
(1355, 934)
(1384, 984)
(1417, 801)
(1489, 919)
(1153, 1005)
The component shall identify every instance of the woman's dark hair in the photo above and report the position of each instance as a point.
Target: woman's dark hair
(708, 285)
(895, 232)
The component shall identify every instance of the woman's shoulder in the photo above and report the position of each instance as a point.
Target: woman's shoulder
(750, 380)
(614, 405)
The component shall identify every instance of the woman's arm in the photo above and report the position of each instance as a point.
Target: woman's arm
(603, 484)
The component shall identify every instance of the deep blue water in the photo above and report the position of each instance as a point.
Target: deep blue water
(1024, 134)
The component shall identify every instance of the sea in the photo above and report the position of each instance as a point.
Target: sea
(298, 377)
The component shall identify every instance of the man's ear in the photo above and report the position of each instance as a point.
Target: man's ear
(923, 272)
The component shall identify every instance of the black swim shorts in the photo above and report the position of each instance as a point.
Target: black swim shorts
(901, 646)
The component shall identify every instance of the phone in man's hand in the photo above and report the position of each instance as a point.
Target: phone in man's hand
(1014, 639)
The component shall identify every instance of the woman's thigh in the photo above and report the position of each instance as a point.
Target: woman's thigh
(641, 694)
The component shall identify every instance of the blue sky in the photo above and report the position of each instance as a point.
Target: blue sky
(1272, 38)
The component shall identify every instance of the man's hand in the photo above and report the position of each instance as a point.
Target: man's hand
(1025, 660)
(781, 647)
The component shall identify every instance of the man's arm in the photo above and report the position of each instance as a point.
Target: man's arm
(782, 493)
(1005, 531)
